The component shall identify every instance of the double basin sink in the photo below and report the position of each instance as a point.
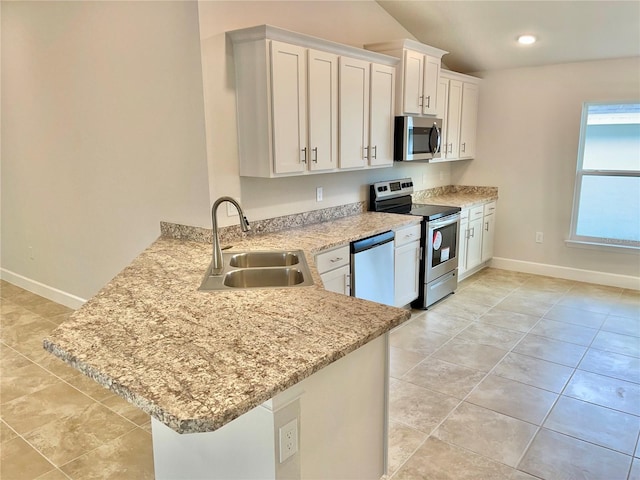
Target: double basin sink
(260, 269)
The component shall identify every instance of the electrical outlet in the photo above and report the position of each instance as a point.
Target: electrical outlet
(319, 194)
(539, 237)
(288, 440)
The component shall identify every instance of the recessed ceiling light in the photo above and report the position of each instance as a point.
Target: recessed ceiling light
(526, 39)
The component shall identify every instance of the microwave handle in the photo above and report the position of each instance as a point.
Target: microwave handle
(435, 137)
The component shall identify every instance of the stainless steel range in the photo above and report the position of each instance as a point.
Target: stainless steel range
(440, 233)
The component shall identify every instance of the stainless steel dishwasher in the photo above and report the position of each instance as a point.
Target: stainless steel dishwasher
(372, 268)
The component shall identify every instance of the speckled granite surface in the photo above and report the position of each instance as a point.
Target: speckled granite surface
(196, 360)
(456, 195)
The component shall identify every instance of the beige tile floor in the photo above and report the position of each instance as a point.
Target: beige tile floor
(518, 376)
(515, 376)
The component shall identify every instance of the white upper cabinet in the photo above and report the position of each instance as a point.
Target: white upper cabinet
(323, 110)
(459, 113)
(354, 112)
(305, 105)
(413, 79)
(381, 115)
(430, 86)
(289, 107)
(468, 120)
(366, 114)
(418, 75)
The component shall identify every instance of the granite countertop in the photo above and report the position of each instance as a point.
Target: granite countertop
(458, 196)
(196, 360)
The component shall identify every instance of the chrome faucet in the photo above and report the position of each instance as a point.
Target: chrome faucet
(217, 265)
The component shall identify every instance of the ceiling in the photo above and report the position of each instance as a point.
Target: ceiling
(481, 35)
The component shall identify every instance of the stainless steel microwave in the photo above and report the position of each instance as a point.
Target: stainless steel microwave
(417, 138)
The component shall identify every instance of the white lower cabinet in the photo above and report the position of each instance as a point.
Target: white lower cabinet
(488, 231)
(477, 226)
(407, 265)
(335, 269)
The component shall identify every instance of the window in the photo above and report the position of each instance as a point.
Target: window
(606, 206)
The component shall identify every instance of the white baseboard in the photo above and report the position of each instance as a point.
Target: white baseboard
(577, 274)
(53, 294)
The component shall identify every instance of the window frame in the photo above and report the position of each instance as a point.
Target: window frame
(587, 241)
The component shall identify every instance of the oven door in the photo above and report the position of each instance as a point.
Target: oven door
(441, 245)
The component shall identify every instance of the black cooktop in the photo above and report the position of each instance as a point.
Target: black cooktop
(394, 196)
(432, 212)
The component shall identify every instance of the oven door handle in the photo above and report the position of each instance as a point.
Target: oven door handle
(443, 223)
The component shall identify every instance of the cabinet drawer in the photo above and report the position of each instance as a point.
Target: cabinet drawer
(490, 208)
(331, 259)
(407, 234)
(476, 212)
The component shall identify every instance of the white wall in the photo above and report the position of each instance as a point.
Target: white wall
(528, 130)
(103, 136)
(353, 23)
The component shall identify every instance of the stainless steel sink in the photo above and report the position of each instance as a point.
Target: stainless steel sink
(263, 259)
(263, 277)
(260, 269)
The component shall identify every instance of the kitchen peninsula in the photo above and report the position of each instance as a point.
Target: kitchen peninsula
(221, 372)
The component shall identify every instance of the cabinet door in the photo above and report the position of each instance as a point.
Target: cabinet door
(468, 121)
(488, 234)
(413, 81)
(323, 110)
(381, 118)
(354, 112)
(443, 102)
(337, 280)
(453, 118)
(430, 87)
(289, 107)
(407, 262)
(474, 243)
(463, 247)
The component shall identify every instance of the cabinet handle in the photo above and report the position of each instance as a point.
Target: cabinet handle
(420, 100)
(429, 101)
(334, 260)
(464, 147)
(375, 152)
(366, 152)
(315, 155)
(304, 158)
(450, 149)
(486, 226)
(347, 282)
(473, 232)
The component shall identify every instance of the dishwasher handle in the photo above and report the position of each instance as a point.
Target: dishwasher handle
(371, 242)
